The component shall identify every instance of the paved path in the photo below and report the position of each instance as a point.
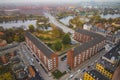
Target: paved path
(64, 28)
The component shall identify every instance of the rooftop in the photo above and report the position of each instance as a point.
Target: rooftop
(89, 33)
(96, 39)
(115, 52)
(18, 67)
(107, 65)
(39, 44)
(15, 59)
(97, 75)
(1, 33)
(31, 71)
(100, 25)
(21, 75)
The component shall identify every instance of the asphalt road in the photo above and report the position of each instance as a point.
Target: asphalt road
(61, 26)
(89, 62)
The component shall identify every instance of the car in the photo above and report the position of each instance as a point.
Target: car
(83, 70)
(78, 70)
(76, 78)
(33, 55)
(71, 76)
(32, 59)
(37, 60)
(36, 69)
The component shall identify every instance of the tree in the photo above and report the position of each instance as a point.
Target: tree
(57, 45)
(66, 39)
(31, 28)
(16, 38)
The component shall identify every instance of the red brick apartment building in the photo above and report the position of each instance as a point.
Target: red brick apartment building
(47, 57)
(91, 43)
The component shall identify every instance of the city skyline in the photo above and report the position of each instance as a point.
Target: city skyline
(55, 1)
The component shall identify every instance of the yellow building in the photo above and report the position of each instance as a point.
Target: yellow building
(87, 76)
(103, 70)
(94, 75)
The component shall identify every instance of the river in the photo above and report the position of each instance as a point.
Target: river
(65, 20)
(19, 23)
(110, 16)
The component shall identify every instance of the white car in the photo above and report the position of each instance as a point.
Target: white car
(78, 70)
(80, 79)
(71, 76)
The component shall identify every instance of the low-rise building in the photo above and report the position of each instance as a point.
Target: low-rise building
(4, 59)
(47, 57)
(113, 55)
(94, 75)
(109, 62)
(15, 60)
(87, 26)
(105, 68)
(18, 67)
(31, 71)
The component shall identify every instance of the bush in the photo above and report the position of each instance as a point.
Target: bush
(66, 39)
(57, 46)
(57, 74)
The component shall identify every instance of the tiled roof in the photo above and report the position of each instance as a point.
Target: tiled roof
(1, 33)
(40, 45)
(86, 32)
(100, 25)
(96, 39)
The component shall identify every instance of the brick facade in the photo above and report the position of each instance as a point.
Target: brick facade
(76, 56)
(49, 63)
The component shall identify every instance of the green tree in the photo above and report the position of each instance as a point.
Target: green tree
(57, 45)
(16, 38)
(66, 39)
(31, 28)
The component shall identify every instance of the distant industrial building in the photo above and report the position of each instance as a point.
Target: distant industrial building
(91, 44)
(47, 57)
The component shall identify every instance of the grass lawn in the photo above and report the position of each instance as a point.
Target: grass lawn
(57, 74)
(51, 37)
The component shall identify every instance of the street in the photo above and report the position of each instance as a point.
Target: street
(83, 66)
(61, 26)
(30, 59)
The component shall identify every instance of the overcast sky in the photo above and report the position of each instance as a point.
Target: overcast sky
(54, 1)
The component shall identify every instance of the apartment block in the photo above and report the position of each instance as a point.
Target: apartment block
(47, 57)
(91, 44)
